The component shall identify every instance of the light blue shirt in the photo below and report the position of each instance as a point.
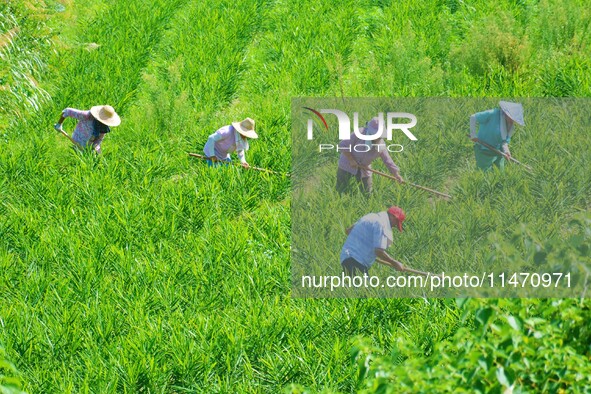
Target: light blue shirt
(490, 129)
(370, 232)
(224, 141)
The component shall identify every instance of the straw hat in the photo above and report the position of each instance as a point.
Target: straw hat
(246, 128)
(106, 115)
(513, 111)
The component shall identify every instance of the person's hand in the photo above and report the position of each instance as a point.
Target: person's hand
(213, 159)
(353, 164)
(506, 151)
(58, 127)
(245, 165)
(398, 177)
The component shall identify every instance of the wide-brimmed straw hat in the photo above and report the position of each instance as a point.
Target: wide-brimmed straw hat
(513, 111)
(246, 128)
(106, 115)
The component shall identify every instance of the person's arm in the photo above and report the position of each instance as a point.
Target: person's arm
(71, 113)
(242, 156)
(394, 170)
(384, 258)
(505, 150)
(96, 143)
(58, 125)
(472, 126)
(507, 141)
(479, 118)
(209, 148)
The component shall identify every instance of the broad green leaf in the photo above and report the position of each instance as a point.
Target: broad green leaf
(515, 322)
(502, 378)
(460, 302)
(483, 315)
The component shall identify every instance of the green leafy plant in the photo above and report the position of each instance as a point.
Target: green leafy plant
(504, 346)
(9, 382)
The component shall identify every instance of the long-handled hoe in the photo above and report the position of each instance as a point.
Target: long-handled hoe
(409, 183)
(77, 145)
(498, 152)
(403, 268)
(249, 167)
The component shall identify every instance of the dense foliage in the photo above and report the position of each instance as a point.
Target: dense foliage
(503, 346)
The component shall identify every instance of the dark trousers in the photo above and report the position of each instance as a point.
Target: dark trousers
(351, 267)
(344, 182)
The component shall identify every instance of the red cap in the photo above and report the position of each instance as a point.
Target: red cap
(398, 213)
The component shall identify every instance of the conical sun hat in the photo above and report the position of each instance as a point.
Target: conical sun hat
(246, 128)
(513, 111)
(106, 115)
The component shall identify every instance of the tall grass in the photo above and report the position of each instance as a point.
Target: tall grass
(143, 271)
(25, 44)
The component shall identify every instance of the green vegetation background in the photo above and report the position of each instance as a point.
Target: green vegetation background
(144, 271)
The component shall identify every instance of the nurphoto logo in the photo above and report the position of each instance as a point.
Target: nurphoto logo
(383, 128)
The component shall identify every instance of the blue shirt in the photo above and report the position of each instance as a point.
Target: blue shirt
(370, 232)
(489, 128)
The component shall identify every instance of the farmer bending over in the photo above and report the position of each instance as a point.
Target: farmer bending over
(228, 139)
(368, 239)
(495, 128)
(92, 125)
(357, 154)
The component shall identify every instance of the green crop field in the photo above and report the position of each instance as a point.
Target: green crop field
(143, 270)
